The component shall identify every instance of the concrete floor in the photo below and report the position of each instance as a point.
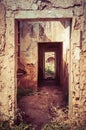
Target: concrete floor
(37, 107)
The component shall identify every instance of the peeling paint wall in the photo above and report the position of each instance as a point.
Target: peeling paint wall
(22, 9)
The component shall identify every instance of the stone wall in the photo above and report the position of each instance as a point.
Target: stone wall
(11, 10)
(7, 66)
(83, 63)
(78, 62)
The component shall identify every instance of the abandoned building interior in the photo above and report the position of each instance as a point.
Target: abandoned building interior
(37, 40)
(42, 63)
(42, 48)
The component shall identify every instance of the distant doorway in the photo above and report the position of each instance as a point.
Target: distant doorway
(49, 63)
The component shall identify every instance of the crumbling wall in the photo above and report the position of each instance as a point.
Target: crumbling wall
(3, 89)
(7, 66)
(83, 63)
(78, 64)
(11, 10)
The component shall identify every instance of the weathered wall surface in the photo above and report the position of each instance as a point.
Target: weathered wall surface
(7, 70)
(9, 10)
(78, 55)
(83, 63)
(3, 90)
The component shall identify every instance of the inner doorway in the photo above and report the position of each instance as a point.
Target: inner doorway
(49, 63)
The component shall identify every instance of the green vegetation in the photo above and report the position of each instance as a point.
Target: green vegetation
(24, 92)
(61, 121)
(5, 125)
(56, 126)
(17, 124)
(49, 71)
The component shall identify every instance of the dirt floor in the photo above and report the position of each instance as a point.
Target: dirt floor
(37, 107)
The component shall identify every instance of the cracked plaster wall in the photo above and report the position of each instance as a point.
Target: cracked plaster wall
(9, 10)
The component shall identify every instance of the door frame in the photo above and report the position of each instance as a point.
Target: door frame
(56, 47)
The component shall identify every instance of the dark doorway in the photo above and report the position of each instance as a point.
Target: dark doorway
(49, 63)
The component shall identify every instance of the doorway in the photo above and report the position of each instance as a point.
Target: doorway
(43, 49)
(49, 63)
